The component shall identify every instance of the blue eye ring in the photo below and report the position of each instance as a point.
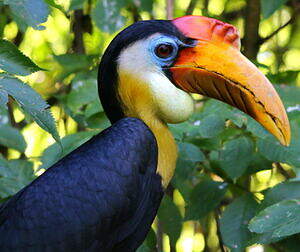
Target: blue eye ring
(164, 49)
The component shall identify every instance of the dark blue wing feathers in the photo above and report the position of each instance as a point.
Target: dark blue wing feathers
(101, 197)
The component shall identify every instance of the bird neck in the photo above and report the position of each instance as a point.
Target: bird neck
(138, 102)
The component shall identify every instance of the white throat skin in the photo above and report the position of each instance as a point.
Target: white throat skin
(172, 105)
(146, 93)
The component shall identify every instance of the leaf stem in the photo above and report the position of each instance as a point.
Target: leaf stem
(217, 213)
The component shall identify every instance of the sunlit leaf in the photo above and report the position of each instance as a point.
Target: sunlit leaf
(205, 197)
(15, 62)
(282, 219)
(31, 102)
(33, 13)
(234, 222)
(12, 138)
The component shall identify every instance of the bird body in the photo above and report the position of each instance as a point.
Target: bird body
(104, 195)
(89, 201)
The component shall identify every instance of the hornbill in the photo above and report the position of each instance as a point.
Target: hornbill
(104, 195)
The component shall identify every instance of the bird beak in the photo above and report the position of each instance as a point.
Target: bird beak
(215, 67)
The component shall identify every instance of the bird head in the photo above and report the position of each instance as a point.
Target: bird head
(152, 67)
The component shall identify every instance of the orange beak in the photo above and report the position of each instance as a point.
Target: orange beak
(215, 67)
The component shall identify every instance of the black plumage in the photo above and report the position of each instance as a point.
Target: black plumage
(101, 197)
(104, 195)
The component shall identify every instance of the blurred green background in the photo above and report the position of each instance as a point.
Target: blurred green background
(235, 187)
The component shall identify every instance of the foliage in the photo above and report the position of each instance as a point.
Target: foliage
(234, 185)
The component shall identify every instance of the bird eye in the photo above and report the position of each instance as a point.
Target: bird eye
(164, 50)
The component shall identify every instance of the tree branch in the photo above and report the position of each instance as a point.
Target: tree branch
(283, 171)
(159, 236)
(263, 40)
(78, 45)
(205, 7)
(252, 19)
(190, 9)
(170, 9)
(135, 12)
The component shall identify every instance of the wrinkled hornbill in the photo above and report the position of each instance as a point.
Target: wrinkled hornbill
(104, 195)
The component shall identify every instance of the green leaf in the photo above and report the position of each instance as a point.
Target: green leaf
(69, 143)
(205, 197)
(94, 107)
(76, 4)
(286, 77)
(256, 129)
(84, 91)
(184, 172)
(183, 130)
(3, 20)
(282, 219)
(14, 175)
(98, 121)
(284, 191)
(144, 248)
(146, 5)
(73, 63)
(32, 13)
(270, 6)
(12, 138)
(106, 15)
(211, 126)
(31, 102)
(151, 239)
(190, 152)
(4, 118)
(258, 163)
(274, 151)
(55, 5)
(234, 222)
(15, 62)
(149, 245)
(289, 94)
(170, 218)
(236, 156)
(3, 98)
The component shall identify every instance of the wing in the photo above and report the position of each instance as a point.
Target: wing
(101, 197)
